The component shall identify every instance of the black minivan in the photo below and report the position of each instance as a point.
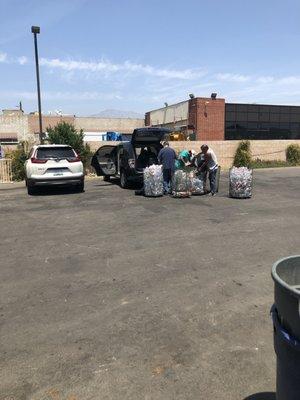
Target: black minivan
(124, 160)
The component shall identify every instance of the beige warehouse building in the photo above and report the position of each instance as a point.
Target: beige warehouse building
(16, 126)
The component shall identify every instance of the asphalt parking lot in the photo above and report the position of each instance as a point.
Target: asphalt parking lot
(111, 296)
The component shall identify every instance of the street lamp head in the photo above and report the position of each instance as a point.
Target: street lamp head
(35, 29)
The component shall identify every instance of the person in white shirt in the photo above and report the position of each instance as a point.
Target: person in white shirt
(211, 163)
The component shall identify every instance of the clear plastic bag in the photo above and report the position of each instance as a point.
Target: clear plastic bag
(181, 184)
(153, 181)
(197, 185)
(240, 182)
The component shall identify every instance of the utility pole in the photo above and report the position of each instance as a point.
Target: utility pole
(36, 30)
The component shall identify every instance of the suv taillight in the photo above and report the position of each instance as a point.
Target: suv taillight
(131, 162)
(38, 160)
(74, 159)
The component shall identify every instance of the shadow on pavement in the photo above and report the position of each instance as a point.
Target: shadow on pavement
(262, 396)
(116, 182)
(104, 184)
(54, 191)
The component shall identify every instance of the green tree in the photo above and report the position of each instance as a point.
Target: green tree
(65, 133)
(242, 156)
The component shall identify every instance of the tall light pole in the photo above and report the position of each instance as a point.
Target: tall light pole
(35, 30)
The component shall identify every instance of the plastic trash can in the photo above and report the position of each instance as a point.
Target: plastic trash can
(286, 275)
(287, 349)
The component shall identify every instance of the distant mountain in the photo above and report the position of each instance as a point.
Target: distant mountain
(118, 114)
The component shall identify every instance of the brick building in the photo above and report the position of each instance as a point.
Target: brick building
(209, 119)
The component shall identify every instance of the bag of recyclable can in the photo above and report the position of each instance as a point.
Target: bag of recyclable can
(181, 184)
(153, 181)
(240, 182)
(197, 183)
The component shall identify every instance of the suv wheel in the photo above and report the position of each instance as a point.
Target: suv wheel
(123, 180)
(80, 187)
(30, 190)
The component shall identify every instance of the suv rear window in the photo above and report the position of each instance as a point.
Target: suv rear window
(55, 152)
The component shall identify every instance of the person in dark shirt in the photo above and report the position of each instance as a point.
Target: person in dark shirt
(167, 157)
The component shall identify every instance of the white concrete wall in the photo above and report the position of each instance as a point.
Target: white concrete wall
(122, 125)
(14, 123)
(174, 113)
(225, 150)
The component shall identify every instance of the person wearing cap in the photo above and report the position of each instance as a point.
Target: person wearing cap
(166, 158)
(211, 163)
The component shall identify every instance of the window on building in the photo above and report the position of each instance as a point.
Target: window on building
(284, 117)
(274, 117)
(252, 116)
(253, 121)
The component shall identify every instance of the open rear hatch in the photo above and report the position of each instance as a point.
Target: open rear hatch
(145, 136)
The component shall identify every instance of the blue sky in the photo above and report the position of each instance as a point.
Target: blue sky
(137, 54)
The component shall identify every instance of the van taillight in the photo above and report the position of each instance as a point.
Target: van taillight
(131, 162)
(38, 160)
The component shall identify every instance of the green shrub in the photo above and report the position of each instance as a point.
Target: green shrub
(242, 156)
(18, 158)
(65, 133)
(293, 154)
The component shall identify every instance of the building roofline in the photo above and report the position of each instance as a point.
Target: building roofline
(184, 101)
(171, 105)
(264, 104)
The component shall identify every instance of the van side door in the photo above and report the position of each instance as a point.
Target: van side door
(104, 161)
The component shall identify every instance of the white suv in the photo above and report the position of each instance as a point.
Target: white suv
(53, 164)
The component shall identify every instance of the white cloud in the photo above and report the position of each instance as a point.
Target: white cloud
(289, 80)
(227, 77)
(103, 81)
(127, 66)
(22, 60)
(265, 79)
(3, 57)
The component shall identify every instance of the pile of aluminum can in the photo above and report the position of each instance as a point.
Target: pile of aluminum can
(240, 182)
(153, 181)
(181, 184)
(197, 185)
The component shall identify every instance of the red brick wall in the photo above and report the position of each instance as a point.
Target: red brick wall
(33, 122)
(208, 118)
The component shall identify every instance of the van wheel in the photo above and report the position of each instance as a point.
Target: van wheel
(123, 180)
